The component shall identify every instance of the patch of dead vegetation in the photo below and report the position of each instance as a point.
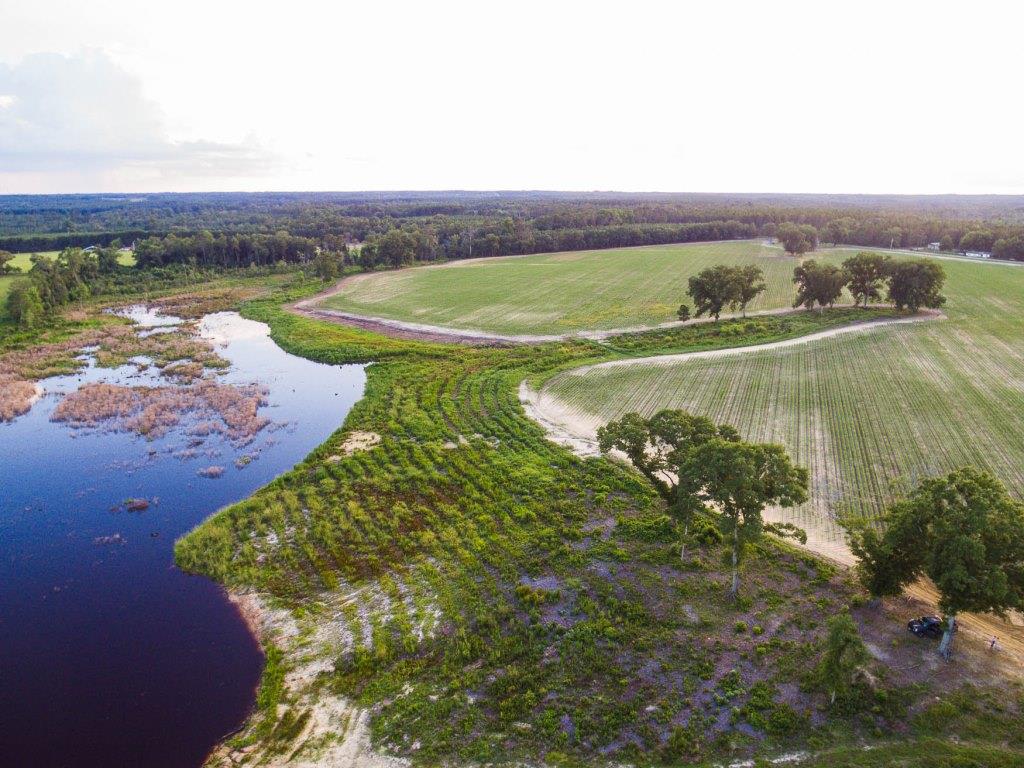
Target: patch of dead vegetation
(178, 353)
(231, 410)
(16, 397)
(194, 305)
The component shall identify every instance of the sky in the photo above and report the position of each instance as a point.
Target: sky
(865, 97)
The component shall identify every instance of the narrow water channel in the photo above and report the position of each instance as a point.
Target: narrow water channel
(109, 655)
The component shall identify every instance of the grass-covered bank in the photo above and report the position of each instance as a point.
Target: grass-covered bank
(489, 596)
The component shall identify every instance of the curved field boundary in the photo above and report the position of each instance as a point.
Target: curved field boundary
(577, 431)
(866, 325)
(438, 333)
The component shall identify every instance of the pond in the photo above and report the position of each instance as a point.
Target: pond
(109, 655)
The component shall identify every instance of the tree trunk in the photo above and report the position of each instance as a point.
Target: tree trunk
(682, 546)
(947, 638)
(734, 592)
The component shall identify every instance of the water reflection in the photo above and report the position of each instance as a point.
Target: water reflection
(109, 656)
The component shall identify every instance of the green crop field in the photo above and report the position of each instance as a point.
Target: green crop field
(562, 292)
(862, 411)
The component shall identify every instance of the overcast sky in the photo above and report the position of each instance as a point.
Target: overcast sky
(119, 95)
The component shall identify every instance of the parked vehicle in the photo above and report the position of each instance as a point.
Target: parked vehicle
(928, 626)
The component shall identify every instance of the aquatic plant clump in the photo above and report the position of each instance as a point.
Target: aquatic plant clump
(228, 409)
(16, 397)
(179, 354)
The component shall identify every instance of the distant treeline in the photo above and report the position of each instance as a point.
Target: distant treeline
(455, 225)
(400, 246)
(509, 239)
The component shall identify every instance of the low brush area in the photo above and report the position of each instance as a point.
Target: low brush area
(463, 591)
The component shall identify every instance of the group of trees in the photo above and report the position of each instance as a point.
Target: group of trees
(797, 239)
(715, 288)
(963, 530)
(698, 467)
(52, 283)
(206, 249)
(910, 283)
(5, 265)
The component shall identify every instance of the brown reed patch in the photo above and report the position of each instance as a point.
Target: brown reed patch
(16, 397)
(179, 354)
(231, 410)
(196, 304)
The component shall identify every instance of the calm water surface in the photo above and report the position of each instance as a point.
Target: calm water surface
(109, 655)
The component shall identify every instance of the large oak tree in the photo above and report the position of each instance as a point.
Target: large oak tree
(963, 531)
(697, 465)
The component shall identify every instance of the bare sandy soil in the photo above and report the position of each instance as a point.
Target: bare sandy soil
(357, 441)
(336, 733)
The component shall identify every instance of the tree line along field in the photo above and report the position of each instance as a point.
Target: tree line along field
(23, 261)
(563, 292)
(862, 411)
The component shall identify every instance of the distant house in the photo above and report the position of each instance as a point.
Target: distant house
(978, 254)
(934, 246)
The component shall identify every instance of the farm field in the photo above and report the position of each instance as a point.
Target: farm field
(23, 261)
(862, 411)
(562, 292)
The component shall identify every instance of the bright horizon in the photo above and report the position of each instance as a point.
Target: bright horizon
(740, 98)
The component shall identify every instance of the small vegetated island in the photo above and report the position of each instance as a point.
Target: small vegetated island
(440, 583)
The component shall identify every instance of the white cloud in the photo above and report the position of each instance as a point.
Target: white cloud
(794, 95)
(83, 113)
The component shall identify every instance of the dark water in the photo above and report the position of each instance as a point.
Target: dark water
(110, 656)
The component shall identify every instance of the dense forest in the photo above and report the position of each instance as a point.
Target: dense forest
(232, 228)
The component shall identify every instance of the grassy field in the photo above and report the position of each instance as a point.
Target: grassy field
(23, 261)
(862, 411)
(561, 292)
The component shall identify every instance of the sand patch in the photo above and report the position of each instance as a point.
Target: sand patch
(336, 733)
(355, 442)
